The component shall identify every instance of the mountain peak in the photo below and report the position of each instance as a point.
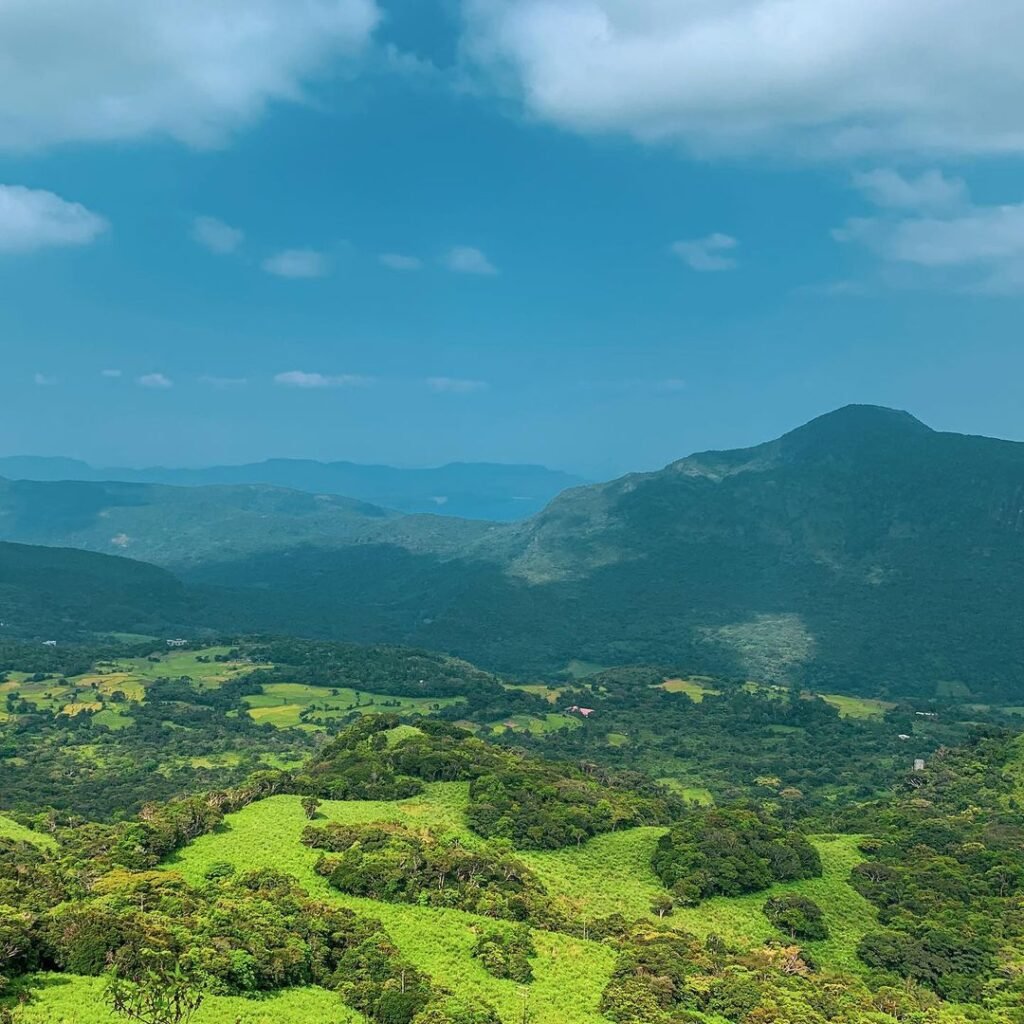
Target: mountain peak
(853, 426)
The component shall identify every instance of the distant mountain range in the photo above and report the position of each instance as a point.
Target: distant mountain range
(472, 490)
(861, 552)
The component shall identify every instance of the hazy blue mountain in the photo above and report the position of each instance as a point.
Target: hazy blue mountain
(470, 490)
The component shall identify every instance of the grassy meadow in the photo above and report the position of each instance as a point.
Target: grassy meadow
(608, 874)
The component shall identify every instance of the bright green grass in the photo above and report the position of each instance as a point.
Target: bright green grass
(10, 829)
(66, 999)
(536, 725)
(549, 693)
(856, 707)
(613, 873)
(113, 716)
(205, 674)
(696, 794)
(696, 689)
(282, 704)
(570, 974)
(108, 682)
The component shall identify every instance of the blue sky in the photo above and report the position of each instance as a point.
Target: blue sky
(596, 234)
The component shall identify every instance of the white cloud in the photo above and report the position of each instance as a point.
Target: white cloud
(931, 190)
(33, 219)
(43, 381)
(223, 383)
(707, 254)
(192, 70)
(396, 261)
(301, 379)
(795, 76)
(156, 381)
(465, 259)
(455, 385)
(982, 247)
(297, 263)
(112, 374)
(215, 235)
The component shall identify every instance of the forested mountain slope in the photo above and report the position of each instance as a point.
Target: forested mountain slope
(56, 591)
(862, 551)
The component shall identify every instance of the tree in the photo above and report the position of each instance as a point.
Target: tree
(310, 804)
(662, 905)
(798, 916)
(158, 991)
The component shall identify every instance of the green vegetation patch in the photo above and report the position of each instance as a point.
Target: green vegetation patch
(696, 688)
(69, 999)
(857, 707)
(569, 973)
(10, 829)
(287, 705)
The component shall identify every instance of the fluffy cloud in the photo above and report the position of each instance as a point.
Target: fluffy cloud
(811, 76)
(301, 379)
(455, 385)
(34, 219)
(396, 261)
(982, 246)
(931, 190)
(215, 235)
(297, 263)
(192, 70)
(465, 259)
(707, 254)
(156, 381)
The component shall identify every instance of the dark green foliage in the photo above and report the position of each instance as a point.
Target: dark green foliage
(947, 872)
(398, 865)
(532, 803)
(506, 954)
(730, 852)
(59, 592)
(158, 991)
(797, 916)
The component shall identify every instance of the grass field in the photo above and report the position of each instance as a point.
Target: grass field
(282, 704)
(856, 707)
(10, 829)
(609, 874)
(535, 725)
(570, 974)
(66, 999)
(696, 688)
(698, 794)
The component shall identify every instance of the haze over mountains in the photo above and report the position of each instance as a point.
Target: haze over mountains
(862, 551)
(474, 490)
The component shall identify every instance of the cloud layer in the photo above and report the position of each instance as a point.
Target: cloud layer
(215, 235)
(466, 259)
(312, 381)
(192, 70)
(938, 229)
(34, 219)
(707, 254)
(813, 76)
(297, 263)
